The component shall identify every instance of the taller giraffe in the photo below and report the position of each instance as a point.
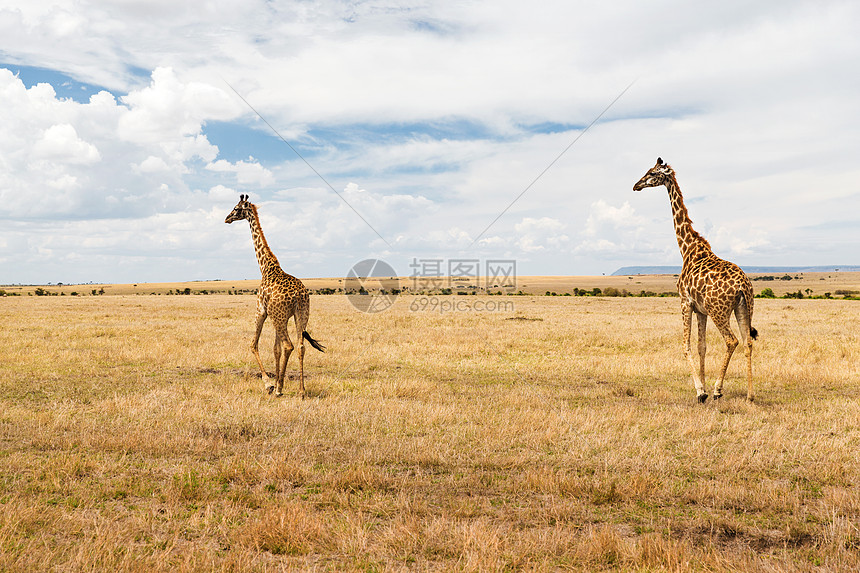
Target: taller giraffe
(708, 286)
(281, 296)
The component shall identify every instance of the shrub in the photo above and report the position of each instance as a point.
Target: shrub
(767, 293)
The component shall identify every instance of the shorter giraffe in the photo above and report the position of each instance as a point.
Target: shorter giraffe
(281, 296)
(708, 286)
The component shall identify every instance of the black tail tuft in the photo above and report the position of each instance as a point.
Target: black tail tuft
(321, 348)
(753, 332)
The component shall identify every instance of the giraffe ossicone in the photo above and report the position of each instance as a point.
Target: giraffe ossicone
(707, 286)
(281, 297)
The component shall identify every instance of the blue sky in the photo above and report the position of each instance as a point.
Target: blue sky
(124, 148)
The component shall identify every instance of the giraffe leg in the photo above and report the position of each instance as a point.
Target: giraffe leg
(287, 347)
(302, 366)
(748, 352)
(301, 319)
(742, 314)
(702, 340)
(687, 314)
(261, 318)
(731, 344)
(278, 353)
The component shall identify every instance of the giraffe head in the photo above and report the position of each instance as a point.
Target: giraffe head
(658, 175)
(242, 210)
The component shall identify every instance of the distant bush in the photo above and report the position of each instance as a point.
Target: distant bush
(767, 293)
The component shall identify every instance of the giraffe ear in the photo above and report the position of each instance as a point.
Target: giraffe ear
(659, 161)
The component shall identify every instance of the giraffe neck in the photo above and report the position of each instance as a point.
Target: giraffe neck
(691, 243)
(265, 257)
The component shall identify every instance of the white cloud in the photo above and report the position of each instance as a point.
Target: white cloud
(170, 114)
(168, 108)
(247, 172)
(60, 143)
(602, 215)
(726, 240)
(541, 234)
(221, 194)
(326, 220)
(152, 164)
(71, 159)
(64, 182)
(429, 109)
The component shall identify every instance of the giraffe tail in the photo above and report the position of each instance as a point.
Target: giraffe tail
(748, 298)
(320, 347)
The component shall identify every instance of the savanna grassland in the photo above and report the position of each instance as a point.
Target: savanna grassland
(818, 284)
(556, 433)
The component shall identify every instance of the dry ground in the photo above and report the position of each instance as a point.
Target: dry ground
(562, 433)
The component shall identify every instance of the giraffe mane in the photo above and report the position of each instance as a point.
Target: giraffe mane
(693, 231)
(262, 235)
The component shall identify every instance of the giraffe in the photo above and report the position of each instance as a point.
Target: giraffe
(707, 286)
(281, 296)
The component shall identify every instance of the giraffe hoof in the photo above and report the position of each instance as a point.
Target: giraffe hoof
(717, 396)
(702, 398)
(270, 389)
(278, 394)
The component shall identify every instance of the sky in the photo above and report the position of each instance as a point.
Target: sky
(422, 131)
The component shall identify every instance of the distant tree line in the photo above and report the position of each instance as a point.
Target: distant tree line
(807, 293)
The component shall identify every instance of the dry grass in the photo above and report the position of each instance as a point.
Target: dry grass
(135, 436)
